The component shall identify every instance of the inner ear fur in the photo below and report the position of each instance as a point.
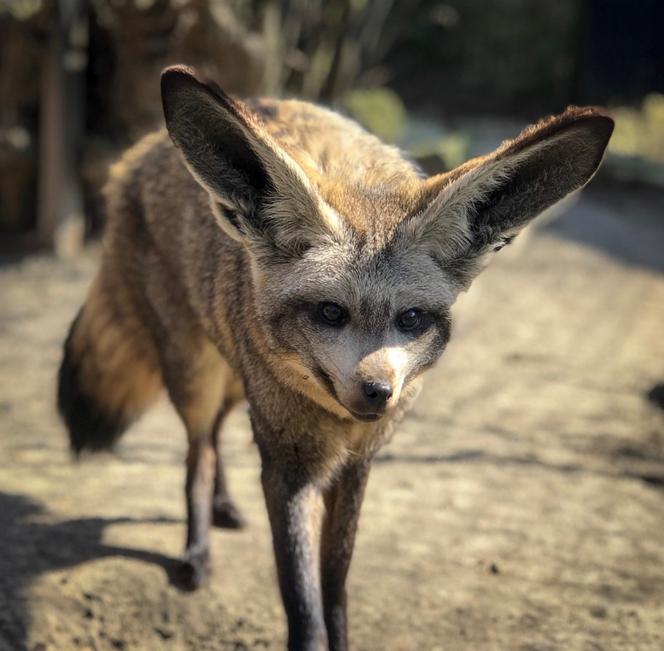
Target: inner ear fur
(259, 192)
(485, 202)
(217, 140)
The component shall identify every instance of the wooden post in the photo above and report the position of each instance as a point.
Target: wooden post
(60, 218)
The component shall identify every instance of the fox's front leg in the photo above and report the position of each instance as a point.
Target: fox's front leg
(343, 500)
(295, 508)
(198, 493)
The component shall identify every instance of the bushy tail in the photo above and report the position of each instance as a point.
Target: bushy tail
(109, 373)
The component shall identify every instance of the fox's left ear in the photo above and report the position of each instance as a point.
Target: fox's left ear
(477, 208)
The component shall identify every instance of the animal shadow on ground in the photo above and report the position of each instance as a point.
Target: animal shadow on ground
(653, 480)
(656, 395)
(29, 548)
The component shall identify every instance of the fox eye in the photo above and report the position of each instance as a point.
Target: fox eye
(331, 314)
(409, 320)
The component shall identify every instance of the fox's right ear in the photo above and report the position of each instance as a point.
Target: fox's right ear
(233, 157)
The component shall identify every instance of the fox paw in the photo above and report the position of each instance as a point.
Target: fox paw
(226, 515)
(195, 568)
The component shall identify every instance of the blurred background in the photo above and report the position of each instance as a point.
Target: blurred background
(79, 80)
(520, 506)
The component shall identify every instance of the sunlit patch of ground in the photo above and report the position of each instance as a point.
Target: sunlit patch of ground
(519, 507)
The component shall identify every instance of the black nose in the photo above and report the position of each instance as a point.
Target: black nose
(377, 393)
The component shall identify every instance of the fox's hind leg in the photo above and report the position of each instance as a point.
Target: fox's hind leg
(197, 378)
(225, 513)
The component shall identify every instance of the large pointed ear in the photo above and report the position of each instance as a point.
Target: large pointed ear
(476, 209)
(259, 193)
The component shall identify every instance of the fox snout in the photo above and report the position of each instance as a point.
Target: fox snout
(372, 399)
(374, 385)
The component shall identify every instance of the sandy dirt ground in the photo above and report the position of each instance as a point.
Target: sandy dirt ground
(520, 506)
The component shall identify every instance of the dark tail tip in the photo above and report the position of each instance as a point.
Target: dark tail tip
(90, 426)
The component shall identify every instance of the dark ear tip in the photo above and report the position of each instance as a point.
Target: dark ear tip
(604, 128)
(181, 77)
(599, 119)
(174, 78)
(179, 69)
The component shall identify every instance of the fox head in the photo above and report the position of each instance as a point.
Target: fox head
(355, 263)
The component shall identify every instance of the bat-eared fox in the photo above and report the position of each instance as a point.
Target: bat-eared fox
(275, 251)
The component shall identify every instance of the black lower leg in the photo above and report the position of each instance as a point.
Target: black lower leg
(343, 500)
(225, 513)
(295, 512)
(198, 490)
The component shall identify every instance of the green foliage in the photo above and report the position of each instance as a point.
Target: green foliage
(640, 132)
(452, 148)
(20, 9)
(637, 145)
(379, 110)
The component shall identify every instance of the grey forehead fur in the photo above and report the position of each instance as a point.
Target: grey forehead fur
(400, 277)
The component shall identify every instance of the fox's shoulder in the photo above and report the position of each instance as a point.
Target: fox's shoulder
(334, 145)
(151, 157)
(298, 122)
